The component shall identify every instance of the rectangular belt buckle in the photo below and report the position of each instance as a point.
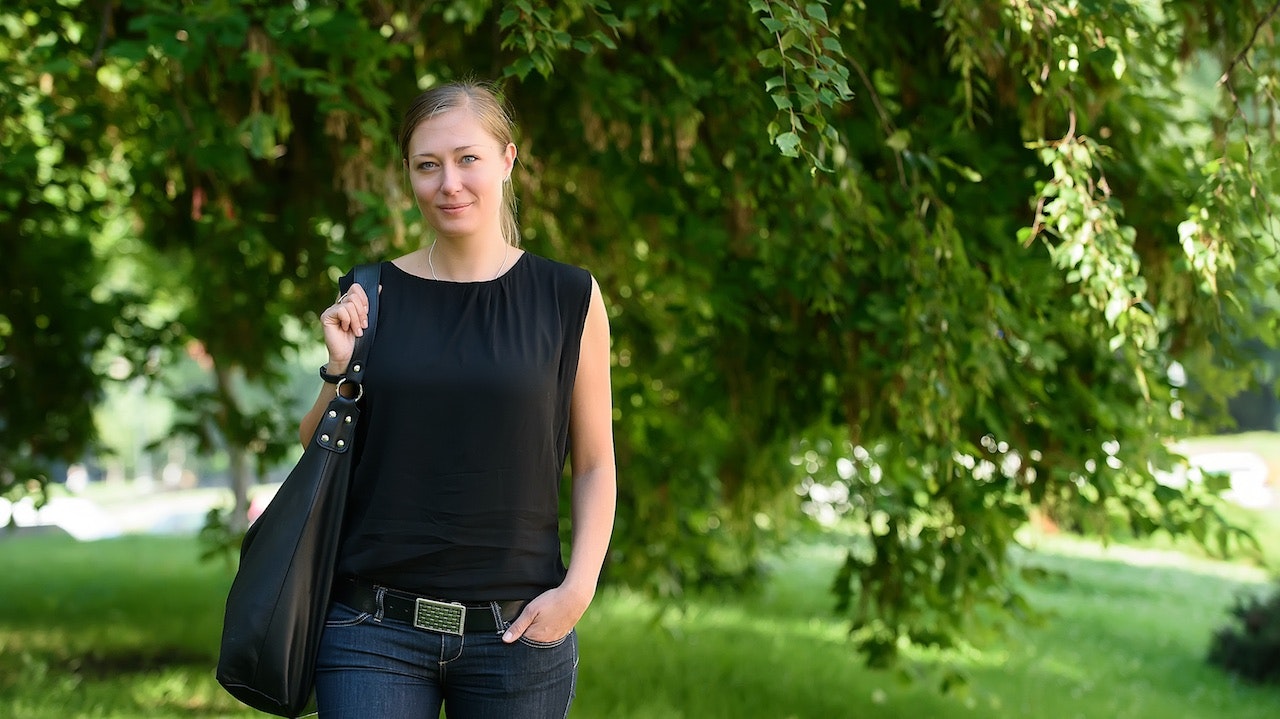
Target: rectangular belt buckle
(446, 617)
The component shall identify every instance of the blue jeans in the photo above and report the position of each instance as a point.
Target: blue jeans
(371, 669)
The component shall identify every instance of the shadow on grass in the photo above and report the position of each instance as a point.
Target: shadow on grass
(109, 665)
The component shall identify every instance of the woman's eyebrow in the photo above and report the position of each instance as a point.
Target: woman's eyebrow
(456, 149)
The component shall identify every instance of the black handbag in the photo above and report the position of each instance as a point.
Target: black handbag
(278, 600)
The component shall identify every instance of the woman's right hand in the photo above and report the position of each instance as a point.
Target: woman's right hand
(344, 321)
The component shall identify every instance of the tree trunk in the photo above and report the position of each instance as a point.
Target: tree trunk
(230, 423)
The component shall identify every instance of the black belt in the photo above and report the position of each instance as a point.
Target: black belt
(423, 612)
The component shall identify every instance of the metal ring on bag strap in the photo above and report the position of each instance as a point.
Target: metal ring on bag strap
(337, 391)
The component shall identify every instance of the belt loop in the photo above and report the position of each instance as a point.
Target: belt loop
(379, 595)
(498, 621)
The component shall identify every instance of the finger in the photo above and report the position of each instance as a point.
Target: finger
(352, 321)
(352, 299)
(356, 299)
(343, 317)
(361, 300)
(518, 627)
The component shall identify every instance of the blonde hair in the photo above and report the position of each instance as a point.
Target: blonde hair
(486, 104)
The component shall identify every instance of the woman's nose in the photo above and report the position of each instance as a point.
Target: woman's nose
(451, 180)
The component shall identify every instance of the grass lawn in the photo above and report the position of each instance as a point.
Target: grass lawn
(128, 628)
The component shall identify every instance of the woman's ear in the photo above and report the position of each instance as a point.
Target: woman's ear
(509, 155)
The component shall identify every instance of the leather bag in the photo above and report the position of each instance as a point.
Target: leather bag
(278, 600)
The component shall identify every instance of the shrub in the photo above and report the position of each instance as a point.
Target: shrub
(1249, 645)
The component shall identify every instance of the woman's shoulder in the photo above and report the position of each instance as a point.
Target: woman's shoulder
(346, 280)
(568, 287)
(560, 272)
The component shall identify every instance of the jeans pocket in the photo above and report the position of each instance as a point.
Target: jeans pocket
(340, 615)
(525, 640)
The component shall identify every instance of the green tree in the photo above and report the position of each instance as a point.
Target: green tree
(55, 181)
(1027, 215)
(934, 259)
(256, 140)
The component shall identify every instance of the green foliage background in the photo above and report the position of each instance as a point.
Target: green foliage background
(930, 262)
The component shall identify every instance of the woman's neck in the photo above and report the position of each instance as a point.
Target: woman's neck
(468, 260)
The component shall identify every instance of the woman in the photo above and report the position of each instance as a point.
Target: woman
(489, 362)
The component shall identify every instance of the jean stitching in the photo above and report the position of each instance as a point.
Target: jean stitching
(444, 644)
(358, 619)
(498, 621)
(543, 645)
(573, 680)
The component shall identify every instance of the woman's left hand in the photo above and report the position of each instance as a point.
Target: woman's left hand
(549, 616)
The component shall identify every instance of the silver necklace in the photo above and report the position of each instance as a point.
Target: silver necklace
(432, 251)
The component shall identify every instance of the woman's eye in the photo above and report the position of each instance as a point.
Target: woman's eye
(468, 159)
(427, 166)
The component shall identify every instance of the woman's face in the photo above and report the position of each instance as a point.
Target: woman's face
(457, 169)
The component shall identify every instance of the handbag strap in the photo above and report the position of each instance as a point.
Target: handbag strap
(369, 277)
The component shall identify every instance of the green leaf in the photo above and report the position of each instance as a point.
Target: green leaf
(520, 67)
(605, 40)
(132, 50)
(899, 140)
(1116, 306)
(321, 16)
(966, 172)
(788, 143)
(769, 57)
(791, 38)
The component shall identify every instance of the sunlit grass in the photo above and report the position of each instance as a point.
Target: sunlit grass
(129, 627)
(1126, 635)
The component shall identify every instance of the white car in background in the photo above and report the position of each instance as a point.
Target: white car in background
(76, 516)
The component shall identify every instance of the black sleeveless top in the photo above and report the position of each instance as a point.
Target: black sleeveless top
(463, 433)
